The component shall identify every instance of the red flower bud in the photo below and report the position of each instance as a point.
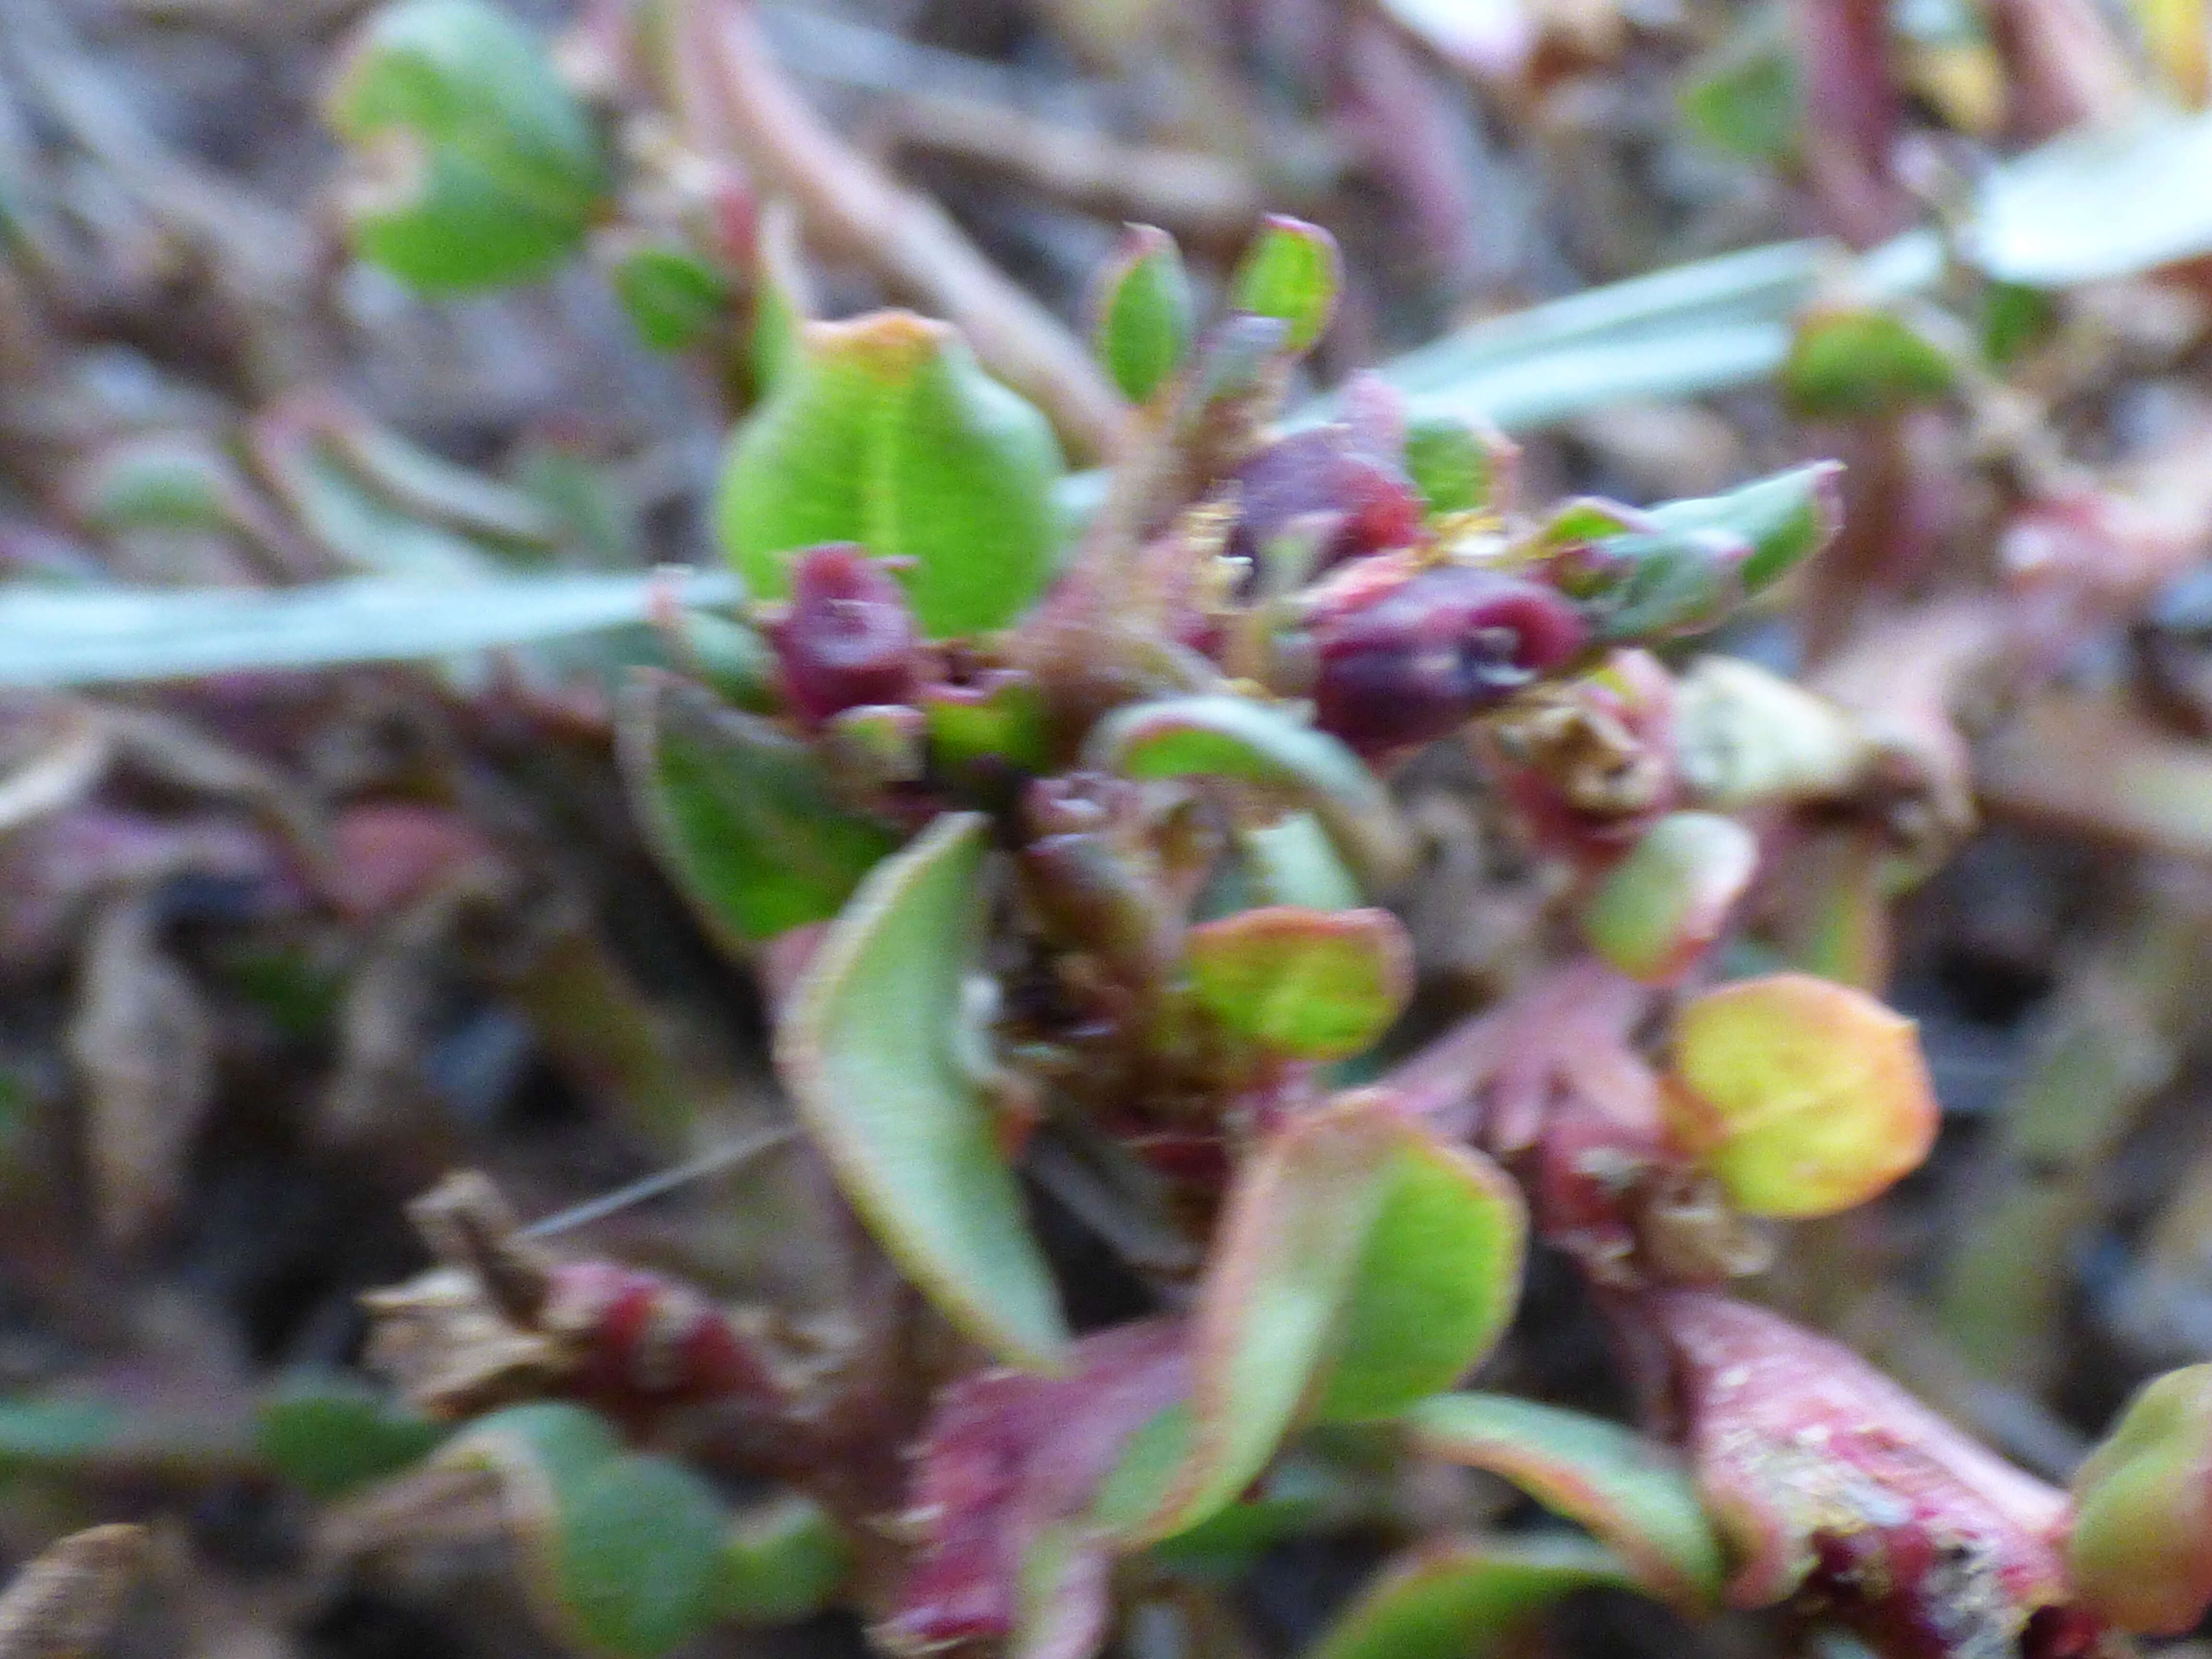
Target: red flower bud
(1436, 648)
(637, 1341)
(1325, 477)
(849, 638)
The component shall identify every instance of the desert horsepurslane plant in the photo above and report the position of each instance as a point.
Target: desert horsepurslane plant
(1076, 845)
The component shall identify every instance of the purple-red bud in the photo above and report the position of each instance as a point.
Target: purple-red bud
(849, 638)
(1325, 475)
(1436, 648)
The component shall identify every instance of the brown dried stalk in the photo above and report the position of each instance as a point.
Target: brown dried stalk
(63, 1604)
(1197, 196)
(737, 102)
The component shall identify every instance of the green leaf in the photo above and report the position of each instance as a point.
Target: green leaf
(885, 432)
(1347, 1219)
(477, 166)
(674, 298)
(1860, 365)
(871, 1049)
(1292, 861)
(781, 1561)
(327, 1431)
(1144, 313)
(1291, 272)
(1438, 1281)
(1313, 985)
(620, 1554)
(1466, 1599)
(639, 1556)
(2098, 202)
(1786, 519)
(741, 813)
(1653, 913)
(111, 636)
(1628, 1490)
(1001, 716)
(1457, 467)
(2141, 1548)
(1747, 97)
(2013, 317)
(1256, 743)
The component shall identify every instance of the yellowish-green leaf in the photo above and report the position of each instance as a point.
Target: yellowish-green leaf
(1656, 912)
(1144, 313)
(1803, 1097)
(1309, 984)
(2140, 1550)
(1292, 273)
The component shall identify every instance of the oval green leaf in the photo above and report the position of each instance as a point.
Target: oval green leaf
(883, 430)
(477, 167)
(1656, 912)
(1457, 467)
(2140, 1550)
(620, 1553)
(1860, 365)
(328, 1432)
(1438, 1278)
(1291, 272)
(740, 813)
(782, 1560)
(1348, 1205)
(870, 1050)
(1631, 1492)
(1144, 313)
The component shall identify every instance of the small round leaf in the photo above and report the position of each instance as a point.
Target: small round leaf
(1803, 1097)
(1309, 984)
(2141, 1551)
(475, 167)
